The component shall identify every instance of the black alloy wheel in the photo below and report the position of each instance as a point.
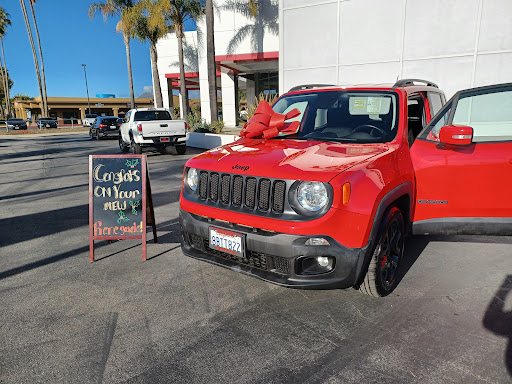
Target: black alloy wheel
(382, 275)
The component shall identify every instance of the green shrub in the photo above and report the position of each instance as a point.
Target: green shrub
(193, 120)
(251, 108)
(217, 126)
(203, 127)
(196, 124)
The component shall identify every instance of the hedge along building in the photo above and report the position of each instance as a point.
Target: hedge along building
(457, 44)
(64, 108)
(246, 54)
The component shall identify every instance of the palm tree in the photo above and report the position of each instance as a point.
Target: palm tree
(6, 85)
(147, 21)
(180, 11)
(116, 8)
(210, 58)
(43, 77)
(36, 61)
(4, 22)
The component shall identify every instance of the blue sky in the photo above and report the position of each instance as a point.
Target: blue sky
(69, 38)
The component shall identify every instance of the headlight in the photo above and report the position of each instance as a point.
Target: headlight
(192, 178)
(312, 195)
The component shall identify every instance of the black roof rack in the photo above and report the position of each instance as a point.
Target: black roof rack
(309, 86)
(405, 82)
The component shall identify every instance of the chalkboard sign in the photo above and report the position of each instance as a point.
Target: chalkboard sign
(119, 199)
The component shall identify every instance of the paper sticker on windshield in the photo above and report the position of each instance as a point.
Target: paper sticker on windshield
(371, 105)
(374, 105)
(359, 102)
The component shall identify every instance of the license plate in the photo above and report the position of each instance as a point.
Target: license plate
(48, 125)
(227, 241)
(112, 127)
(165, 139)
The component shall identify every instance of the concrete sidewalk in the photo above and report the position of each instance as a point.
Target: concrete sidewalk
(231, 130)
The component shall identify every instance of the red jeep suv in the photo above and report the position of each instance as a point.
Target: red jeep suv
(328, 205)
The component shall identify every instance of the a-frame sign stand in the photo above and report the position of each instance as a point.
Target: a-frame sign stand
(119, 194)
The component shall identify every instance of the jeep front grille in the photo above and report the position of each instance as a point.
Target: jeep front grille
(250, 192)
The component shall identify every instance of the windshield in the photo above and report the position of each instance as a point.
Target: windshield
(92, 115)
(343, 116)
(16, 120)
(152, 115)
(110, 120)
(46, 119)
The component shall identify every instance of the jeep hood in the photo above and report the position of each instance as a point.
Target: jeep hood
(286, 159)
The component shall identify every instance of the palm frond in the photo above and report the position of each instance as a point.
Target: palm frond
(4, 21)
(239, 36)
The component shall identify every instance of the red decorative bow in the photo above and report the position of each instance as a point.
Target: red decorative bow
(267, 124)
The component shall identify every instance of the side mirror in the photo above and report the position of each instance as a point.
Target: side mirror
(456, 135)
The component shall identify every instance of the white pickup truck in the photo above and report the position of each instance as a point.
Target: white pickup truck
(152, 127)
(88, 120)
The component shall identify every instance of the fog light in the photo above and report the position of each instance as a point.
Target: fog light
(316, 265)
(322, 261)
(317, 241)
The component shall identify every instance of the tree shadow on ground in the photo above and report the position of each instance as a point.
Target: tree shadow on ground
(499, 321)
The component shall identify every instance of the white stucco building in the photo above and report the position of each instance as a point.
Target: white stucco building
(455, 43)
(246, 53)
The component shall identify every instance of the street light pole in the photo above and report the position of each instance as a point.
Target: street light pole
(87, 88)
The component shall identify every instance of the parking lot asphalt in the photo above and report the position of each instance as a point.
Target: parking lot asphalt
(173, 319)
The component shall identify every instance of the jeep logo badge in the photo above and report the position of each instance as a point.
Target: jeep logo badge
(241, 167)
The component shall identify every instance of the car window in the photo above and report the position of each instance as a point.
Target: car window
(431, 132)
(490, 115)
(436, 102)
(152, 115)
(111, 121)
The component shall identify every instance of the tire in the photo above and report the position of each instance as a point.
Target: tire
(181, 149)
(97, 136)
(135, 148)
(90, 134)
(387, 255)
(122, 146)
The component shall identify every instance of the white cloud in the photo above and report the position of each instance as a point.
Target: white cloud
(147, 88)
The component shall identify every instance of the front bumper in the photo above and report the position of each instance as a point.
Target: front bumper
(271, 256)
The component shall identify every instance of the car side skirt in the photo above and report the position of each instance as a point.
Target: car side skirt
(491, 226)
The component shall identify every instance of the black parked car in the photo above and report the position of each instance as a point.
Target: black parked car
(16, 124)
(46, 122)
(104, 126)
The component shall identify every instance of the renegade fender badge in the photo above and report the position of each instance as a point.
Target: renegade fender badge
(432, 202)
